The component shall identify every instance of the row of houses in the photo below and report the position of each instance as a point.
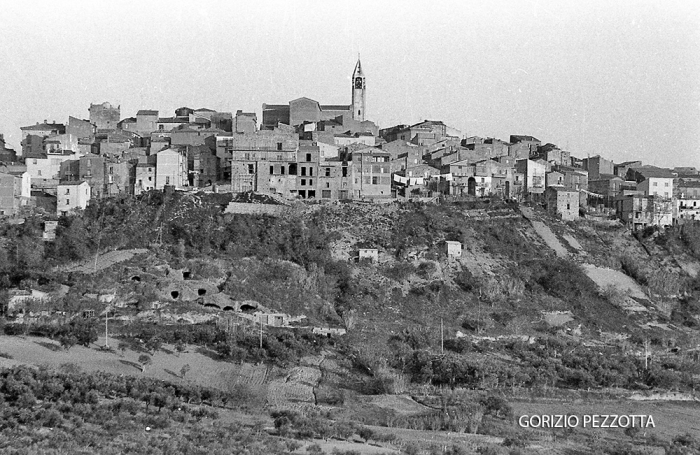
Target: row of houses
(313, 151)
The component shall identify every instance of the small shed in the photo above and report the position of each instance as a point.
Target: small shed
(454, 249)
(370, 254)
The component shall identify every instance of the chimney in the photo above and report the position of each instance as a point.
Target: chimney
(46, 121)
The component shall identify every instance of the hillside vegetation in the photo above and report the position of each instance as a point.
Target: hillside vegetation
(605, 312)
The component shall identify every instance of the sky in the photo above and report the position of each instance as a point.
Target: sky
(620, 79)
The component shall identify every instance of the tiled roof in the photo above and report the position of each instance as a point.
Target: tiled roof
(204, 109)
(182, 119)
(147, 112)
(42, 127)
(607, 177)
(335, 107)
(79, 182)
(654, 172)
(518, 138)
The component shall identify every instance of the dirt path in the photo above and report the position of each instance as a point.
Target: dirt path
(105, 260)
(545, 233)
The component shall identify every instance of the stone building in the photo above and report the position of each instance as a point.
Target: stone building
(171, 168)
(82, 129)
(597, 166)
(104, 116)
(306, 110)
(15, 192)
(145, 179)
(562, 202)
(72, 196)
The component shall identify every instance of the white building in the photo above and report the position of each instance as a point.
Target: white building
(43, 171)
(686, 209)
(454, 249)
(534, 176)
(653, 181)
(72, 196)
(145, 178)
(369, 254)
(171, 169)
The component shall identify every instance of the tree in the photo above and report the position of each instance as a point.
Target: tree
(184, 370)
(85, 331)
(154, 344)
(179, 347)
(68, 341)
(366, 434)
(123, 346)
(144, 360)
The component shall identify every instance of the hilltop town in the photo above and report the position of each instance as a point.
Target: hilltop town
(317, 152)
(312, 282)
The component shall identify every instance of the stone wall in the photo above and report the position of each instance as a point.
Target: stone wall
(255, 209)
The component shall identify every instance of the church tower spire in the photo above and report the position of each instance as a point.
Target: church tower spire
(358, 92)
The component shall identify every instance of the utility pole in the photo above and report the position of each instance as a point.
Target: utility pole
(106, 317)
(646, 354)
(442, 337)
(260, 316)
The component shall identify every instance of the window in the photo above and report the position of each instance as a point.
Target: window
(150, 169)
(279, 157)
(303, 182)
(279, 146)
(34, 162)
(67, 201)
(161, 127)
(666, 184)
(167, 180)
(311, 172)
(308, 157)
(311, 181)
(111, 169)
(328, 172)
(150, 179)
(67, 190)
(272, 169)
(39, 172)
(345, 171)
(303, 171)
(375, 180)
(251, 169)
(568, 206)
(282, 170)
(654, 184)
(326, 194)
(89, 163)
(328, 185)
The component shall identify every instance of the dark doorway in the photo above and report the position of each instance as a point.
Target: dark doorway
(174, 294)
(471, 186)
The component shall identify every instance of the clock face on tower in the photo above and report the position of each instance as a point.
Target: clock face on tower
(358, 82)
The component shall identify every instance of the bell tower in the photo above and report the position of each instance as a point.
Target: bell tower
(358, 92)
